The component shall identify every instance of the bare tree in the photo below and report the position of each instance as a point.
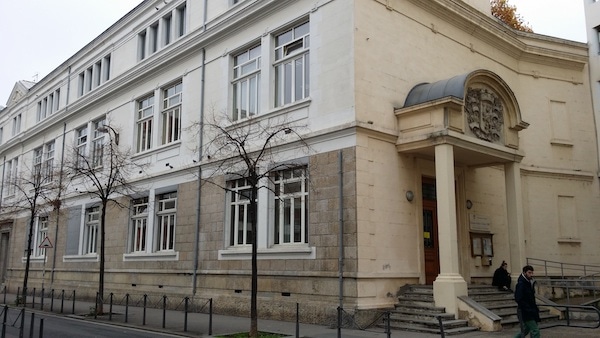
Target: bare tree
(248, 151)
(31, 190)
(105, 173)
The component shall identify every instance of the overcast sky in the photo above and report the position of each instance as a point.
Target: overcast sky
(36, 36)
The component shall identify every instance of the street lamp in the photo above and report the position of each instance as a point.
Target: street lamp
(106, 129)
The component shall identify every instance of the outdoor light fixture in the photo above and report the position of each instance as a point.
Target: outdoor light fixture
(410, 196)
(469, 204)
(168, 165)
(106, 129)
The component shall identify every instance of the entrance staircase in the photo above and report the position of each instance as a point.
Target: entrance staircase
(416, 311)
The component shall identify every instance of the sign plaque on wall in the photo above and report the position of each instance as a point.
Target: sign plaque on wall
(479, 223)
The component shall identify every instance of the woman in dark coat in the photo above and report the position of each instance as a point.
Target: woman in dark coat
(501, 277)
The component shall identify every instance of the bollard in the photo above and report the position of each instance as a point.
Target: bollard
(62, 301)
(73, 306)
(4, 295)
(297, 320)
(185, 313)
(42, 301)
(388, 329)
(41, 333)
(144, 315)
(4, 321)
(339, 322)
(33, 299)
(31, 325)
(110, 307)
(96, 308)
(126, 307)
(51, 300)
(164, 311)
(210, 319)
(22, 327)
(442, 334)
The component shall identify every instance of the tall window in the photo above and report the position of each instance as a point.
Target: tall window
(171, 113)
(16, 125)
(48, 166)
(239, 202)
(94, 75)
(139, 224)
(80, 145)
(40, 234)
(181, 23)
(98, 143)
(167, 208)
(12, 167)
(292, 65)
(291, 206)
(90, 232)
(145, 114)
(246, 83)
(38, 155)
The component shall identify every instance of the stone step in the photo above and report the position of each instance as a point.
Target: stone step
(419, 328)
(420, 314)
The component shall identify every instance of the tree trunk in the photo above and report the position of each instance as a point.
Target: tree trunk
(100, 300)
(26, 277)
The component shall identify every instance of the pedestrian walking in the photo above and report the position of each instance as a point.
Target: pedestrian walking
(527, 310)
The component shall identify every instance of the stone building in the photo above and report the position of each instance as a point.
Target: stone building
(436, 142)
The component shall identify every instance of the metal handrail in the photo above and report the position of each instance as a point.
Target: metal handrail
(554, 268)
(568, 317)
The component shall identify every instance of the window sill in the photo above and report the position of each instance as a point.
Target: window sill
(81, 258)
(153, 256)
(39, 259)
(276, 252)
(163, 150)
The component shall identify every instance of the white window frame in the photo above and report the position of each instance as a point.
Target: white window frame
(246, 83)
(98, 142)
(290, 228)
(41, 232)
(81, 143)
(144, 122)
(139, 225)
(12, 170)
(48, 164)
(38, 156)
(292, 64)
(171, 113)
(166, 221)
(16, 124)
(240, 231)
(90, 230)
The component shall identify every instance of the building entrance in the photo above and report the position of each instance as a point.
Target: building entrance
(430, 232)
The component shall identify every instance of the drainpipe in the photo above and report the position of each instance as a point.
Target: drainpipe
(204, 16)
(58, 197)
(198, 193)
(341, 236)
(2, 187)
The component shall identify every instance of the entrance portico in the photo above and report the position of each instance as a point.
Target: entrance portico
(471, 120)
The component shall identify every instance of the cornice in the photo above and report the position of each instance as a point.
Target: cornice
(507, 40)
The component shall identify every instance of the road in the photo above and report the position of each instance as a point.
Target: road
(65, 327)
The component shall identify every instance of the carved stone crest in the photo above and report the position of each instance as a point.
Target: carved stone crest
(485, 114)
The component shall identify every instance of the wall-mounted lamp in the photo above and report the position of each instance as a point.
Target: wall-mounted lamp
(106, 129)
(168, 165)
(469, 204)
(410, 196)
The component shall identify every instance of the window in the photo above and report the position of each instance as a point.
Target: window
(145, 115)
(167, 208)
(167, 29)
(142, 45)
(292, 65)
(171, 114)
(239, 201)
(11, 172)
(80, 146)
(181, 22)
(98, 143)
(90, 231)
(40, 234)
(37, 164)
(154, 38)
(47, 105)
(139, 224)
(291, 206)
(48, 166)
(246, 83)
(94, 75)
(16, 125)
(1, 135)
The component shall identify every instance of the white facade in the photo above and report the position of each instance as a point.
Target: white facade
(388, 94)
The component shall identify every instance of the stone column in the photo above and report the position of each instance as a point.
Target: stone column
(516, 223)
(449, 284)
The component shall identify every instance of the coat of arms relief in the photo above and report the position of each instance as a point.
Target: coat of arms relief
(485, 114)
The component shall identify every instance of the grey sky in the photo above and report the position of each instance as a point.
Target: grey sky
(36, 36)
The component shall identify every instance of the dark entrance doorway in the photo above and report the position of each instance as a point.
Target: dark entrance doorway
(430, 231)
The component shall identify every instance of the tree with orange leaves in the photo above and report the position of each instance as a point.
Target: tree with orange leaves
(507, 13)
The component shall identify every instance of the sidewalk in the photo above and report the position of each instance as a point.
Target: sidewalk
(198, 323)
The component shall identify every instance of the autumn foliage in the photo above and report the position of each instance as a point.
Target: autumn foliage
(507, 13)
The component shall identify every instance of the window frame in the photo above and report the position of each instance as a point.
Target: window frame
(170, 116)
(90, 230)
(238, 202)
(288, 55)
(139, 220)
(165, 232)
(41, 232)
(285, 205)
(246, 74)
(144, 123)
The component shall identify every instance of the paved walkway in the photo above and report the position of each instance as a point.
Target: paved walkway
(198, 324)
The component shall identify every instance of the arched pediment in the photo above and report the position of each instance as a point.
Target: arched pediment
(476, 111)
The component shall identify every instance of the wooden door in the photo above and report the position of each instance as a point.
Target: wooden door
(430, 241)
